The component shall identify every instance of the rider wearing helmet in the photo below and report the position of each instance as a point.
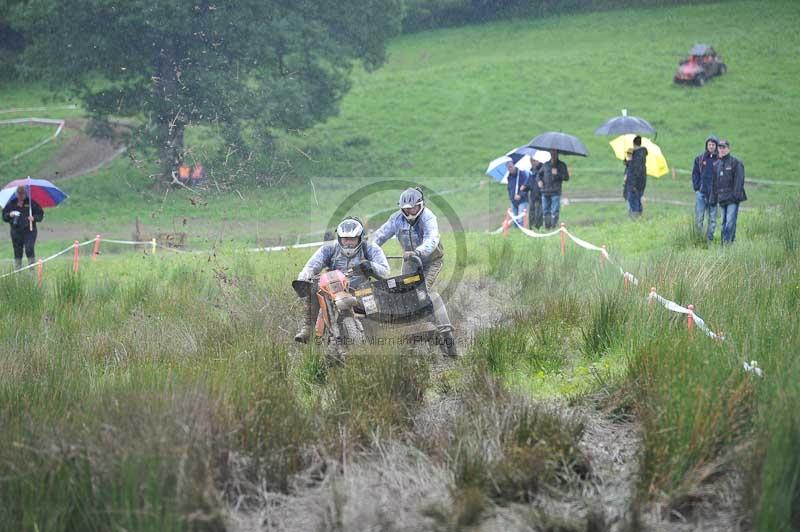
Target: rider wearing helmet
(350, 251)
(417, 231)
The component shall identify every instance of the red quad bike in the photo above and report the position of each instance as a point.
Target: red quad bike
(393, 311)
(702, 64)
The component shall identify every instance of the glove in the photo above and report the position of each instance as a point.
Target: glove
(410, 254)
(304, 275)
(365, 268)
(14, 214)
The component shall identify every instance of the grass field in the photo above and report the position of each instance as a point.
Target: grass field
(163, 392)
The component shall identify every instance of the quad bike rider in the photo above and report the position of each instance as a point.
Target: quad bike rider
(417, 230)
(348, 253)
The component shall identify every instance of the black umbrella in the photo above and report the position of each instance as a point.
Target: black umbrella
(621, 125)
(561, 142)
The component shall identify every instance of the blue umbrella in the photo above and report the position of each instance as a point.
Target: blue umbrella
(497, 168)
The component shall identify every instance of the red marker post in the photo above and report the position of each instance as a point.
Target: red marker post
(690, 318)
(506, 224)
(76, 257)
(96, 250)
(39, 272)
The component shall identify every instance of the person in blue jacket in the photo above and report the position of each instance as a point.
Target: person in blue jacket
(518, 186)
(350, 251)
(702, 182)
(417, 230)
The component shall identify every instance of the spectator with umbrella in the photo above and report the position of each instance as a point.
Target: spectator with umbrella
(518, 192)
(22, 202)
(554, 172)
(635, 178)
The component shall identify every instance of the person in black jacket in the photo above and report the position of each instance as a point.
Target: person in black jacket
(728, 189)
(702, 179)
(635, 178)
(22, 215)
(535, 198)
(552, 174)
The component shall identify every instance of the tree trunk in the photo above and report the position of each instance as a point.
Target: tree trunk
(169, 119)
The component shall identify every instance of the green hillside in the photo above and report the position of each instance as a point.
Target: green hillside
(449, 101)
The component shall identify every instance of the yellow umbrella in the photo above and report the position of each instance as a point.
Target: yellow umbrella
(656, 162)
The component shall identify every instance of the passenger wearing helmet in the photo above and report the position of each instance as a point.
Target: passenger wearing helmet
(417, 230)
(348, 252)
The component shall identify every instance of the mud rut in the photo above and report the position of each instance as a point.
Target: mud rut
(387, 489)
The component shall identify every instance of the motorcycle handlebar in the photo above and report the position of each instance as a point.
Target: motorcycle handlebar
(414, 258)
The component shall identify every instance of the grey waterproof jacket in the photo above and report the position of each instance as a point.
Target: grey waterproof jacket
(330, 256)
(422, 236)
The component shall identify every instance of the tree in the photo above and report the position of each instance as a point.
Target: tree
(257, 65)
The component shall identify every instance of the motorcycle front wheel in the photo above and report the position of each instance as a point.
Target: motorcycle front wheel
(353, 334)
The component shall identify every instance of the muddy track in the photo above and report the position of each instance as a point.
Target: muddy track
(81, 154)
(389, 488)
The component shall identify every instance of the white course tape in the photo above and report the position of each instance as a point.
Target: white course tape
(527, 231)
(59, 123)
(584, 244)
(751, 367)
(283, 248)
(29, 266)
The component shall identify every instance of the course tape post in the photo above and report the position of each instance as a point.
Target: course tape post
(750, 367)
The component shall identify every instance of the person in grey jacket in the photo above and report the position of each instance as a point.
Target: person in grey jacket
(728, 189)
(417, 230)
(551, 175)
(348, 252)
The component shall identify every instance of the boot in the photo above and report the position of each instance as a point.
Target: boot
(17, 264)
(31, 261)
(448, 345)
(310, 320)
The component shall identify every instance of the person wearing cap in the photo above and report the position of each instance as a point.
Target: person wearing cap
(22, 215)
(702, 179)
(417, 230)
(728, 189)
(348, 252)
(551, 176)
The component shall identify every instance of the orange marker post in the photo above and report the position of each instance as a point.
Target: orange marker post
(625, 282)
(690, 318)
(506, 224)
(563, 239)
(652, 296)
(76, 257)
(603, 255)
(39, 272)
(96, 250)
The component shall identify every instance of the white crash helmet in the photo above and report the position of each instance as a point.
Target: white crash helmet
(410, 198)
(350, 228)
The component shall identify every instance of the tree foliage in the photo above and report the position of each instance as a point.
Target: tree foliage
(250, 66)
